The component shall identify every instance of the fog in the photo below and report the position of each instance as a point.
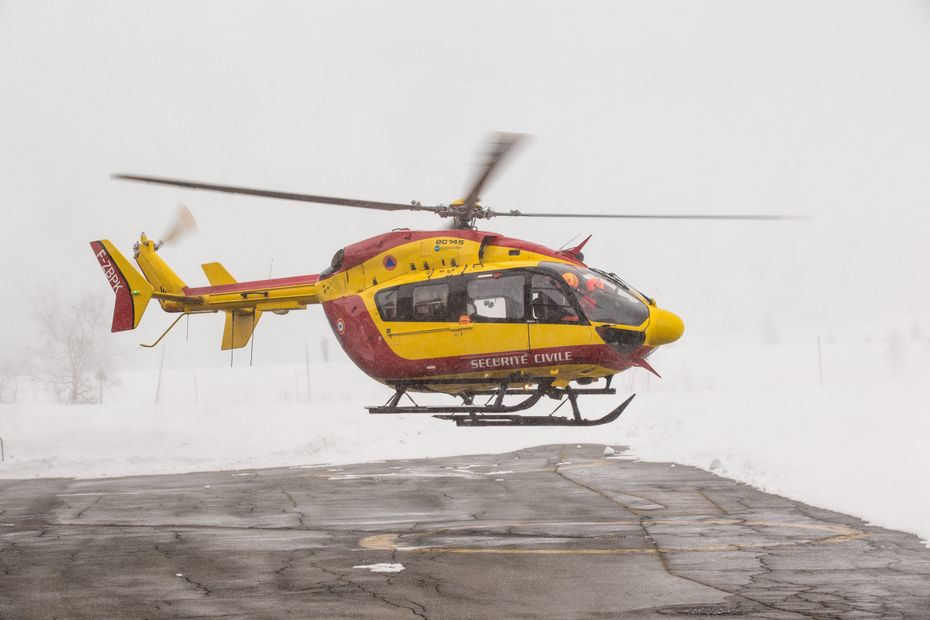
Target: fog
(818, 109)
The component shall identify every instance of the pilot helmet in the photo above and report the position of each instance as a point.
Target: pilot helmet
(595, 284)
(572, 279)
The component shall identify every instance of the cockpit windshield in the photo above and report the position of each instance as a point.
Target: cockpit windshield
(602, 298)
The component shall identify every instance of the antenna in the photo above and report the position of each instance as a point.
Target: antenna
(569, 241)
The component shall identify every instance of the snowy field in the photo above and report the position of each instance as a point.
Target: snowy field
(753, 412)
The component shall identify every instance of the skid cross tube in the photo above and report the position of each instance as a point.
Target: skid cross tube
(392, 406)
(519, 391)
(533, 396)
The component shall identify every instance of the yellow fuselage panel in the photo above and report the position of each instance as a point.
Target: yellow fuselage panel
(416, 341)
(425, 259)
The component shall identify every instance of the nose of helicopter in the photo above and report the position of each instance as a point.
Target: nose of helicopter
(664, 327)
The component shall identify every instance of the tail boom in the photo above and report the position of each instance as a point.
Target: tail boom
(243, 302)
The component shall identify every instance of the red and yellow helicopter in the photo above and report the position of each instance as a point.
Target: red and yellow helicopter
(458, 311)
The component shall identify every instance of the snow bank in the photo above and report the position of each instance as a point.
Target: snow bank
(861, 452)
(753, 413)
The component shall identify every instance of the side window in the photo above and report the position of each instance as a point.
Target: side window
(495, 298)
(549, 303)
(387, 305)
(431, 302)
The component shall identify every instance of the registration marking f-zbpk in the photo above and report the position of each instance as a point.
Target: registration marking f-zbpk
(109, 270)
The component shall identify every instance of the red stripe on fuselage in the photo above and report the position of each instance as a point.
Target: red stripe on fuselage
(365, 346)
(239, 287)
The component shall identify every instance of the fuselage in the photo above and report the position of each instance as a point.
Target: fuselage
(432, 307)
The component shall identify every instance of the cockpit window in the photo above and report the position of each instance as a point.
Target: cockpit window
(549, 301)
(601, 299)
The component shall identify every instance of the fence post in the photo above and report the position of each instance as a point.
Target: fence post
(307, 362)
(819, 361)
(161, 366)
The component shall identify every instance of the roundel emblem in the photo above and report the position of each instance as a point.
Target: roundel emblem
(389, 262)
(341, 326)
(436, 248)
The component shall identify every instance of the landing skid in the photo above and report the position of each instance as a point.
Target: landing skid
(533, 420)
(496, 413)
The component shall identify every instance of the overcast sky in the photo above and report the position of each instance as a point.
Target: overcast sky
(818, 108)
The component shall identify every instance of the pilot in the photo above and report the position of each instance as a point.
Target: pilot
(594, 284)
(585, 293)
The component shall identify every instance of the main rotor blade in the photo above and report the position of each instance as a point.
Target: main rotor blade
(504, 144)
(650, 217)
(229, 189)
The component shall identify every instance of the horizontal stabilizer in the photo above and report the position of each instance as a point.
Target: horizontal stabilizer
(217, 274)
(131, 289)
(239, 327)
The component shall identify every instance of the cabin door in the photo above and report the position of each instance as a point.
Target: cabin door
(556, 326)
(494, 308)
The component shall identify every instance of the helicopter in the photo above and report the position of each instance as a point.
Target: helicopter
(456, 311)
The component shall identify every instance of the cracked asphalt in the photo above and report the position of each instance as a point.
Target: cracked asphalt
(547, 532)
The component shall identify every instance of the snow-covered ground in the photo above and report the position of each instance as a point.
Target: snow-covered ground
(756, 413)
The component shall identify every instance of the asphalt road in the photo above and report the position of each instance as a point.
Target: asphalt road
(554, 531)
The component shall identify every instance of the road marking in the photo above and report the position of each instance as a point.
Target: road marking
(835, 534)
(447, 471)
(177, 491)
(380, 542)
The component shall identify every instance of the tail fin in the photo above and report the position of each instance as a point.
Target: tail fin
(163, 279)
(239, 327)
(217, 274)
(240, 324)
(131, 290)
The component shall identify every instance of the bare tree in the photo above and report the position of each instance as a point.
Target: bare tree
(894, 350)
(9, 381)
(75, 360)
